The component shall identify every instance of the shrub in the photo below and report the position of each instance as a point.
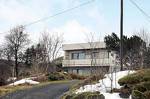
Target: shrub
(116, 90)
(5, 72)
(95, 78)
(75, 76)
(135, 78)
(67, 95)
(130, 79)
(146, 85)
(89, 95)
(58, 76)
(147, 94)
(139, 82)
(66, 75)
(146, 78)
(84, 95)
(95, 95)
(41, 78)
(140, 88)
(55, 76)
(137, 95)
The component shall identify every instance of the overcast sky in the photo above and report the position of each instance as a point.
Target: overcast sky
(100, 17)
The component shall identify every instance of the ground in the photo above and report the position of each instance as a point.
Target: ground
(50, 91)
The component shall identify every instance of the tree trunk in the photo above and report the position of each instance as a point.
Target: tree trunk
(16, 64)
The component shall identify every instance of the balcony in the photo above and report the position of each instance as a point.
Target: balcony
(87, 62)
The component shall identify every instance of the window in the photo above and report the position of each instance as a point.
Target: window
(74, 56)
(79, 55)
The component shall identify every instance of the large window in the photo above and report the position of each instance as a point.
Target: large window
(79, 55)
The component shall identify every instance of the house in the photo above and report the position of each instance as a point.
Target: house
(87, 58)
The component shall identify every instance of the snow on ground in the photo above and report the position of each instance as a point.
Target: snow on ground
(104, 85)
(111, 96)
(11, 79)
(23, 81)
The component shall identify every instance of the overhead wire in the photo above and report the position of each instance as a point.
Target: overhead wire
(59, 13)
(141, 10)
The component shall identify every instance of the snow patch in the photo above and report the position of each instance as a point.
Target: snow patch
(104, 85)
(23, 81)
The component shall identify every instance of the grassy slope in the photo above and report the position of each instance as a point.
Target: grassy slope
(9, 89)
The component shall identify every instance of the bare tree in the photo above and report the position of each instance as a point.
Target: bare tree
(16, 40)
(91, 40)
(7, 53)
(144, 34)
(52, 45)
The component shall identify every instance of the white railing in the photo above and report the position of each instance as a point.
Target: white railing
(87, 62)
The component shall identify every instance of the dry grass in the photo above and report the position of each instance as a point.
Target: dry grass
(8, 89)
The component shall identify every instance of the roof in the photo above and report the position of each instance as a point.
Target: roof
(79, 46)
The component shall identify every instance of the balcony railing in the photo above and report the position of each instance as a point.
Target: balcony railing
(88, 62)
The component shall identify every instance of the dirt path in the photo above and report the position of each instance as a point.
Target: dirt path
(50, 91)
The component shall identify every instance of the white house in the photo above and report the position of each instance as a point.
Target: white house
(82, 58)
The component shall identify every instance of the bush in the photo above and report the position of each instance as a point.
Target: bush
(146, 85)
(116, 90)
(75, 76)
(137, 95)
(146, 78)
(95, 78)
(55, 76)
(41, 78)
(139, 82)
(147, 94)
(67, 96)
(135, 78)
(58, 76)
(95, 95)
(85, 95)
(5, 72)
(140, 88)
(130, 79)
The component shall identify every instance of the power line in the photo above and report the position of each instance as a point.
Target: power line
(141, 10)
(59, 13)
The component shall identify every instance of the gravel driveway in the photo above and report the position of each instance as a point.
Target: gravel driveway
(50, 91)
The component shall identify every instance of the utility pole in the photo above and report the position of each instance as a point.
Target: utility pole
(121, 36)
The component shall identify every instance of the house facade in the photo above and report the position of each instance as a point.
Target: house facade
(87, 58)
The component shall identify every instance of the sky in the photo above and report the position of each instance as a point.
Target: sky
(101, 17)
